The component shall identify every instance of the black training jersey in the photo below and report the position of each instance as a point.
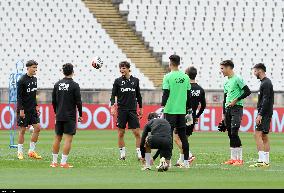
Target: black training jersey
(265, 98)
(26, 93)
(127, 92)
(157, 127)
(197, 96)
(66, 97)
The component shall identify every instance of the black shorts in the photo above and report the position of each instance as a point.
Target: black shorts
(233, 117)
(265, 124)
(31, 118)
(65, 127)
(164, 144)
(129, 117)
(176, 121)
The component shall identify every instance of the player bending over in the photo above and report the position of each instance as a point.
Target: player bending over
(157, 134)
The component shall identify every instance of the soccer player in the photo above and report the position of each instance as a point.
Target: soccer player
(27, 110)
(175, 102)
(157, 134)
(235, 91)
(127, 90)
(265, 112)
(66, 97)
(196, 98)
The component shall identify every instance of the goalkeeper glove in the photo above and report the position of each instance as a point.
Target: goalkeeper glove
(222, 127)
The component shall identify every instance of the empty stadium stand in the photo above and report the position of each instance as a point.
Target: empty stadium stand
(54, 32)
(205, 32)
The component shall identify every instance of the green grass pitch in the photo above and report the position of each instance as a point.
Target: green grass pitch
(96, 165)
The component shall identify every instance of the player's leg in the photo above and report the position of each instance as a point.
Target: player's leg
(237, 114)
(188, 132)
(147, 157)
(134, 125)
(59, 130)
(179, 144)
(259, 145)
(266, 144)
(34, 121)
(69, 132)
(121, 125)
(22, 123)
(228, 124)
(165, 146)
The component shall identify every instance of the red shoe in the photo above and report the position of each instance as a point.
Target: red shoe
(191, 159)
(238, 163)
(229, 162)
(54, 165)
(66, 165)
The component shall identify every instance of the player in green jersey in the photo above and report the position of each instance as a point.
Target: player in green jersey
(235, 91)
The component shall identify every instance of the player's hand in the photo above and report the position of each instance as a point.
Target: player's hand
(223, 117)
(22, 114)
(258, 119)
(140, 113)
(37, 110)
(80, 119)
(112, 110)
(233, 103)
(195, 120)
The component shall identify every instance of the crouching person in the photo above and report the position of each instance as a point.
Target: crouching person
(156, 135)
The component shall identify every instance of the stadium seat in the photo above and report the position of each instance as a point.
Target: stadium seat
(54, 32)
(206, 32)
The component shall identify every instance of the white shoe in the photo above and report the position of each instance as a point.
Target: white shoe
(186, 166)
(163, 165)
(145, 168)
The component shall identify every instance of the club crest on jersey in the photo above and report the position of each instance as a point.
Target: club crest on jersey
(63, 86)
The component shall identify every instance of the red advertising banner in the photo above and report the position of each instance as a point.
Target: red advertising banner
(99, 117)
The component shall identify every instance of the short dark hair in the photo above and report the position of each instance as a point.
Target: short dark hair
(67, 69)
(31, 63)
(228, 63)
(152, 115)
(124, 64)
(175, 60)
(191, 72)
(260, 66)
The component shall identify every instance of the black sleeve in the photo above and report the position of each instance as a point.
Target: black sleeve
(78, 100)
(143, 139)
(188, 101)
(114, 93)
(54, 102)
(138, 95)
(246, 93)
(157, 154)
(203, 104)
(224, 103)
(166, 94)
(20, 94)
(264, 107)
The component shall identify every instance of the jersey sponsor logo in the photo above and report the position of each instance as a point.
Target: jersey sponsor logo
(195, 93)
(64, 87)
(180, 80)
(127, 90)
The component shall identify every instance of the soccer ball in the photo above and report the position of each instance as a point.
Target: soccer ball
(97, 62)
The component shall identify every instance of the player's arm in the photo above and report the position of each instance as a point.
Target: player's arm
(139, 100)
(166, 91)
(143, 139)
(224, 105)
(114, 94)
(78, 102)
(203, 105)
(20, 96)
(54, 101)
